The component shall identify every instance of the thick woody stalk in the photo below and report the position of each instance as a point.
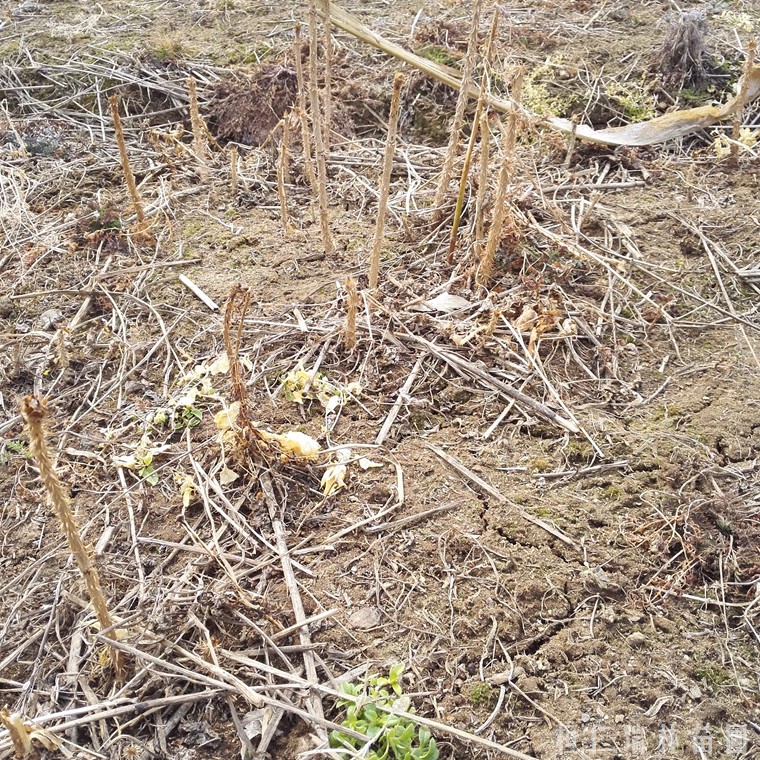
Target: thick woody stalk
(125, 166)
(316, 124)
(34, 411)
(385, 182)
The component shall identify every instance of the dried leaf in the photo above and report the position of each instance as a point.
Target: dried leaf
(367, 464)
(186, 487)
(221, 366)
(187, 399)
(294, 444)
(527, 320)
(365, 618)
(23, 735)
(334, 479)
(227, 476)
(129, 462)
(354, 388)
(568, 328)
(447, 302)
(226, 419)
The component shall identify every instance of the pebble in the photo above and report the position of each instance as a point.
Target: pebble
(365, 618)
(636, 639)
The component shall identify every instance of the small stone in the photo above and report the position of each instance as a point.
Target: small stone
(636, 639)
(620, 718)
(695, 692)
(585, 717)
(49, 318)
(365, 618)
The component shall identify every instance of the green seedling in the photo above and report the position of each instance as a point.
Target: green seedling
(391, 737)
(146, 470)
(9, 448)
(186, 417)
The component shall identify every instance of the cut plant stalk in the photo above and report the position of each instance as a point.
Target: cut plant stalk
(463, 183)
(352, 306)
(484, 89)
(480, 199)
(129, 177)
(328, 75)
(200, 144)
(234, 171)
(468, 70)
(385, 182)
(34, 412)
(317, 126)
(485, 270)
(305, 135)
(283, 173)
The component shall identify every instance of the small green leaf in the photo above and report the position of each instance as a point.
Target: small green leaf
(149, 475)
(394, 677)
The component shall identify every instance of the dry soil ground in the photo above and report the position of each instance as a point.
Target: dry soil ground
(592, 594)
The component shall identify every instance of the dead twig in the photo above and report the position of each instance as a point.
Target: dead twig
(489, 489)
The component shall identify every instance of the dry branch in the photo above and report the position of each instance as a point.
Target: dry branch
(660, 129)
(283, 170)
(489, 489)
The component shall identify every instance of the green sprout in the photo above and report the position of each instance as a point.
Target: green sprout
(392, 737)
(146, 470)
(187, 417)
(9, 448)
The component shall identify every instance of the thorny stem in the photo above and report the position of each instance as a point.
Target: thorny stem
(126, 168)
(741, 102)
(34, 411)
